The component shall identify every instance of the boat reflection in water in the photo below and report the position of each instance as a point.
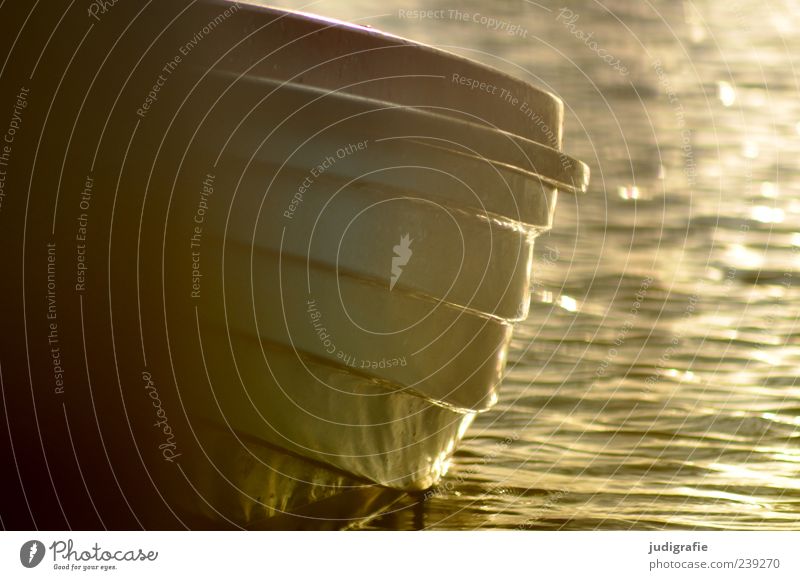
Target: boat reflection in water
(333, 241)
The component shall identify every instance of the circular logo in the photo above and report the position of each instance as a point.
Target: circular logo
(31, 553)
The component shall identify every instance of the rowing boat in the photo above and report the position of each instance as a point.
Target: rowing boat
(303, 248)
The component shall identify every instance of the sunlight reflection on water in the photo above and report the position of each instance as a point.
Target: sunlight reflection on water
(672, 403)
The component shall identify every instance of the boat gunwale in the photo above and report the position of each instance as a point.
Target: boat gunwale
(528, 148)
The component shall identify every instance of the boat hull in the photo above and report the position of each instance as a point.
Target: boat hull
(261, 278)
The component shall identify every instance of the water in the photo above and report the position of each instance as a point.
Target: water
(655, 384)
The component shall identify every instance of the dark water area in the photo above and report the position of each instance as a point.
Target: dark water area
(654, 385)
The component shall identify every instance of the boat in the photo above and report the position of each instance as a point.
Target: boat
(297, 249)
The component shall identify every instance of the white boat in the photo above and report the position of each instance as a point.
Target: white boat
(378, 242)
(322, 240)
